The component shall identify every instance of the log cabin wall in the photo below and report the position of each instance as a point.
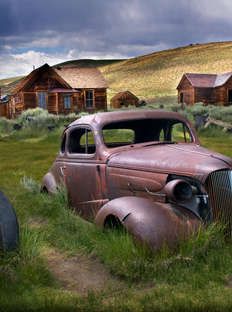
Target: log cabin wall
(186, 92)
(204, 95)
(100, 99)
(3, 110)
(223, 94)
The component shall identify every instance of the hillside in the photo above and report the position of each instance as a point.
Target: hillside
(8, 84)
(89, 63)
(157, 74)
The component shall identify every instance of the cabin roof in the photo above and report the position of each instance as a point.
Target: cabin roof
(22, 83)
(206, 80)
(70, 77)
(82, 78)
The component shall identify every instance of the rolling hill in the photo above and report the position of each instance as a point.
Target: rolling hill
(156, 75)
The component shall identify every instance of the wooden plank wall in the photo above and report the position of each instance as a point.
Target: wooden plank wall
(3, 110)
(221, 93)
(100, 99)
(188, 92)
(204, 95)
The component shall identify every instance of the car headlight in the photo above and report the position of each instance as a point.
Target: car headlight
(178, 190)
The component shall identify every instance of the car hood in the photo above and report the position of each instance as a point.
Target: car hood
(185, 159)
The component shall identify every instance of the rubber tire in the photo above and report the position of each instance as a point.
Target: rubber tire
(9, 228)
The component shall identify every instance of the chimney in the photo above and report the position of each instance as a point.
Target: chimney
(33, 67)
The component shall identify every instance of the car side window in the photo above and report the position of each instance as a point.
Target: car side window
(180, 133)
(81, 141)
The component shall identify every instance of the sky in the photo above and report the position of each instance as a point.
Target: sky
(52, 31)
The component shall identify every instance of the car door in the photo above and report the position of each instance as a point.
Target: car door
(83, 172)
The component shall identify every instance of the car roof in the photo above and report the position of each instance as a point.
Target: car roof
(123, 115)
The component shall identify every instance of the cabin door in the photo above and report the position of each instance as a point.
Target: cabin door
(230, 97)
(42, 100)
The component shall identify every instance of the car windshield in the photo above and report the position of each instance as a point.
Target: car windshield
(145, 130)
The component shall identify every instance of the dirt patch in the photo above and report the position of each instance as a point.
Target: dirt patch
(80, 273)
(36, 223)
(228, 281)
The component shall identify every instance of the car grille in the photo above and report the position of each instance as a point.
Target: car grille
(219, 188)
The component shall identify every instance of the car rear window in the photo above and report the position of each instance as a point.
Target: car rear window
(118, 137)
(145, 130)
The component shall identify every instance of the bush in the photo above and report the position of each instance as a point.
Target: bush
(35, 122)
(6, 125)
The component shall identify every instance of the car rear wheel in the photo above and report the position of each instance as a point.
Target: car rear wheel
(9, 228)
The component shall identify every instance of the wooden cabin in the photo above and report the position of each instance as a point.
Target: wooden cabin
(60, 90)
(206, 88)
(124, 99)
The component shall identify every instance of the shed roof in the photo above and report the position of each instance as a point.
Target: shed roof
(123, 95)
(206, 80)
(78, 77)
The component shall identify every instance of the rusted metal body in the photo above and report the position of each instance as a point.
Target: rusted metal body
(159, 189)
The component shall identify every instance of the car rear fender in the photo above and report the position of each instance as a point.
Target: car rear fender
(152, 223)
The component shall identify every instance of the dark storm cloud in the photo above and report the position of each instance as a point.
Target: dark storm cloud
(129, 22)
(85, 28)
(7, 23)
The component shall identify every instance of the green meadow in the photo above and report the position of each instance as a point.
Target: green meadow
(67, 264)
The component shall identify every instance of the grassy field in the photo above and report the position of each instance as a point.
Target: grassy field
(65, 263)
(155, 76)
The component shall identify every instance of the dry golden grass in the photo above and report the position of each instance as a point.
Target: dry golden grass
(158, 74)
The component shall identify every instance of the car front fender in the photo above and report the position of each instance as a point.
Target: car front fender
(152, 223)
(49, 183)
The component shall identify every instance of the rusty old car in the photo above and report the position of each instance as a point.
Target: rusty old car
(144, 170)
(9, 228)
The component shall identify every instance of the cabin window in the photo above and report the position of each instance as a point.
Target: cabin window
(89, 98)
(67, 101)
(81, 141)
(42, 100)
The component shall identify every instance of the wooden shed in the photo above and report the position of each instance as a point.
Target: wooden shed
(124, 99)
(206, 88)
(60, 90)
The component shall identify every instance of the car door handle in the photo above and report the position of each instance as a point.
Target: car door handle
(62, 170)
